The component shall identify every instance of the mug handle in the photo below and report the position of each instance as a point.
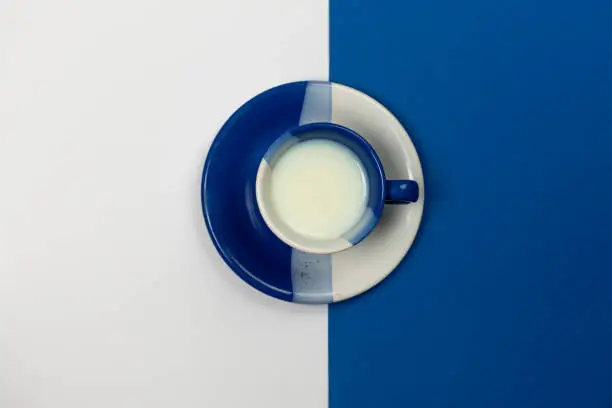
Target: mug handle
(401, 191)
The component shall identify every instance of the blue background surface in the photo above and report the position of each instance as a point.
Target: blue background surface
(505, 300)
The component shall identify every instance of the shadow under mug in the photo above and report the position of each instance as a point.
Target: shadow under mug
(380, 191)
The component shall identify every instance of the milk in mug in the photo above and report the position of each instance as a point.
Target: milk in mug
(319, 189)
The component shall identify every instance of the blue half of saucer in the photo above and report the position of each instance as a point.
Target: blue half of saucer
(237, 227)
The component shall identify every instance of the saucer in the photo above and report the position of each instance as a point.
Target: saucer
(237, 228)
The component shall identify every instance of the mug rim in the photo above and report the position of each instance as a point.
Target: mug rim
(375, 196)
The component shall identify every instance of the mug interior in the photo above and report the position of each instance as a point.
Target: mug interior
(374, 177)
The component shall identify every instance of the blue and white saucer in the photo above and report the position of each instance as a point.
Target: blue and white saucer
(237, 228)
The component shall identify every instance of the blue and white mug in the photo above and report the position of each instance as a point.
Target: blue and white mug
(378, 190)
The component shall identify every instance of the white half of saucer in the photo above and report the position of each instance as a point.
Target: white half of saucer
(361, 267)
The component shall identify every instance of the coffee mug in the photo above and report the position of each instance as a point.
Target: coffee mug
(321, 188)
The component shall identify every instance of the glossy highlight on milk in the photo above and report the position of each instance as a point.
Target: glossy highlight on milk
(319, 189)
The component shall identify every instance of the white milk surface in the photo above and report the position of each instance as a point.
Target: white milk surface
(319, 189)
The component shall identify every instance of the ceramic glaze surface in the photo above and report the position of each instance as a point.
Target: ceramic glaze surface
(239, 167)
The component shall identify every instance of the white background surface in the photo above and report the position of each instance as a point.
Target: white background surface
(111, 294)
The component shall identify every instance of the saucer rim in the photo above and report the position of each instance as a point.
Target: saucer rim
(247, 277)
